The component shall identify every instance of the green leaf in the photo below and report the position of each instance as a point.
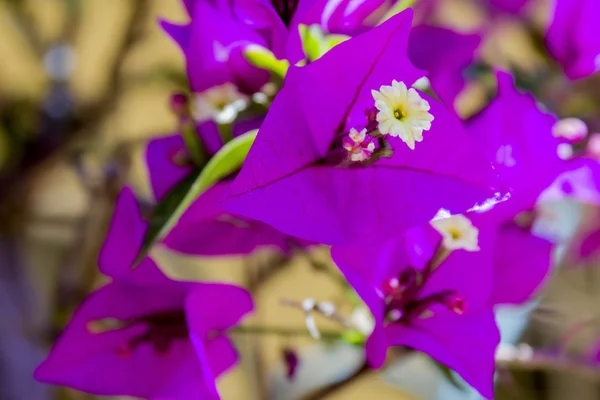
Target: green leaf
(448, 374)
(397, 8)
(316, 43)
(163, 210)
(263, 58)
(166, 214)
(310, 40)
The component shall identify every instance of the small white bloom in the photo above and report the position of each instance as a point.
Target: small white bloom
(402, 112)
(572, 129)
(457, 233)
(221, 103)
(358, 145)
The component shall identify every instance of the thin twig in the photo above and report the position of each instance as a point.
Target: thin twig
(280, 331)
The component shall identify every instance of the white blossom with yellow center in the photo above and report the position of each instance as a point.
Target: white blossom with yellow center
(220, 103)
(457, 233)
(402, 113)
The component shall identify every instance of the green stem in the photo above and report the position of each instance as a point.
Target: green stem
(226, 131)
(282, 331)
(192, 142)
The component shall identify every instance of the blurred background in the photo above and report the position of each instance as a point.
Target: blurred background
(83, 85)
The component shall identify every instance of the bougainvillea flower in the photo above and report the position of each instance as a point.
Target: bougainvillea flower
(572, 37)
(517, 136)
(214, 39)
(443, 305)
(518, 273)
(162, 340)
(299, 179)
(344, 17)
(444, 54)
(204, 230)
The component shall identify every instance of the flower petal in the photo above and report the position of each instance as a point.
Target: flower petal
(124, 238)
(572, 36)
(517, 136)
(90, 362)
(165, 173)
(465, 343)
(520, 270)
(212, 44)
(444, 54)
(205, 229)
(215, 306)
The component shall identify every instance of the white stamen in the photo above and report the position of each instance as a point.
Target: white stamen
(308, 306)
(327, 308)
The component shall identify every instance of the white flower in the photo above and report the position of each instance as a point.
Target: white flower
(402, 112)
(572, 129)
(358, 145)
(457, 233)
(221, 103)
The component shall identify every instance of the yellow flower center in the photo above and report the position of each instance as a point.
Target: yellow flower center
(454, 233)
(399, 114)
